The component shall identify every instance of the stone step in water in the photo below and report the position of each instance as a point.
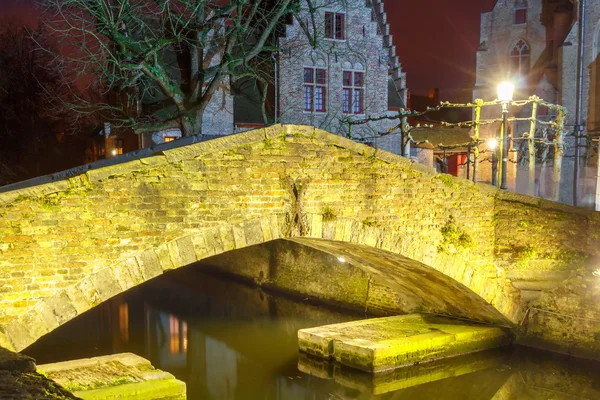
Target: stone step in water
(383, 344)
(118, 376)
(407, 377)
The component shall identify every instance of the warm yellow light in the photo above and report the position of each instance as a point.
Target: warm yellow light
(505, 91)
(114, 152)
(492, 143)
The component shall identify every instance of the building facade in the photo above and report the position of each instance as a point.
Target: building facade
(349, 73)
(535, 44)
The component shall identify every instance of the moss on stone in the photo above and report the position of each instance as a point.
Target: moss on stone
(564, 258)
(369, 222)
(525, 254)
(328, 214)
(454, 238)
(48, 202)
(268, 143)
(446, 179)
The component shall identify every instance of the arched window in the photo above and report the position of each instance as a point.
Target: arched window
(519, 59)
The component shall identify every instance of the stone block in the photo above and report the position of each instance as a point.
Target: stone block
(150, 265)
(17, 334)
(122, 376)
(274, 225)
(78, 299)
(227, 238)
(106, 284)
(4, 342)
(125, 168)
(388, 343)
(200, 248)
(15, 362)
(265, 226)
(253, 232)
(214, 243)
(316, 226)
(88, 288)
(35, 323)
(239, 237)
(59, 305)
(133, 267)
(123, 275)
(185, 250)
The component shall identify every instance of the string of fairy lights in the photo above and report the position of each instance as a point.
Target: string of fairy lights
(543, 141)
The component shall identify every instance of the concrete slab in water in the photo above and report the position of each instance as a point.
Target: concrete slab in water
(383, 344)
(119, 376)
(403, 378)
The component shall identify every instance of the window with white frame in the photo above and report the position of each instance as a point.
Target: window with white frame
(315, 89)
(335, 26)
(353, 92)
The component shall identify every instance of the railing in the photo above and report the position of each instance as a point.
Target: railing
(543, 139)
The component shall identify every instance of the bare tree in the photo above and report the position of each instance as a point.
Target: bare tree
(179, 53)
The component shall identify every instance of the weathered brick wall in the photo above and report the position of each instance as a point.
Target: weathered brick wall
(115, 224)
(550, 253)
(69, 245)
(363, 49)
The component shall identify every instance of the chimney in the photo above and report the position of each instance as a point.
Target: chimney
(434, 96)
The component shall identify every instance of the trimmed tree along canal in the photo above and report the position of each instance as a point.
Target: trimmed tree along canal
(229, 340)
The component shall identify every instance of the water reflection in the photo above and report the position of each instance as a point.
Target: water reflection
(227, 341)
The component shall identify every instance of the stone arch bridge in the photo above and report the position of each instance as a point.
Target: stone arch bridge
(462, 248)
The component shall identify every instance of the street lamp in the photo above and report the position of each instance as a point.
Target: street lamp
(492, 143)
(505, 95)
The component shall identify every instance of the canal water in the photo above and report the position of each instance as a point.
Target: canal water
(228, 340)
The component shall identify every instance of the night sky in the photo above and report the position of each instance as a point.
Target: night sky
(435, 39)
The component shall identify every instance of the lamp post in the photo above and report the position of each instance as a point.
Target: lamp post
(492, 143)
(505, 95)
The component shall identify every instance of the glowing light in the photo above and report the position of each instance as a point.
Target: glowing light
(114, 152)
(492, 144)
(341, 259)
(505, 91)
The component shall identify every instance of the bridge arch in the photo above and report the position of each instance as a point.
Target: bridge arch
(384, 263)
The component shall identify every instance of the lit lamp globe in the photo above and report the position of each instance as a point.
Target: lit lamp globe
(505, 91)
(492, 143)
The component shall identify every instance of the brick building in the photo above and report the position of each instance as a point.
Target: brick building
(535, 44)
(351, 74)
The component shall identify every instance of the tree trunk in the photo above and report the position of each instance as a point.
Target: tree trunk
(186, 126)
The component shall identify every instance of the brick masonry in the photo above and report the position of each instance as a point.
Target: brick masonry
(367, 48)
(69, 245)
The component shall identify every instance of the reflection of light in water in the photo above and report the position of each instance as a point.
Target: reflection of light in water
(178, 335)
(185, 337)
(124, 321)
